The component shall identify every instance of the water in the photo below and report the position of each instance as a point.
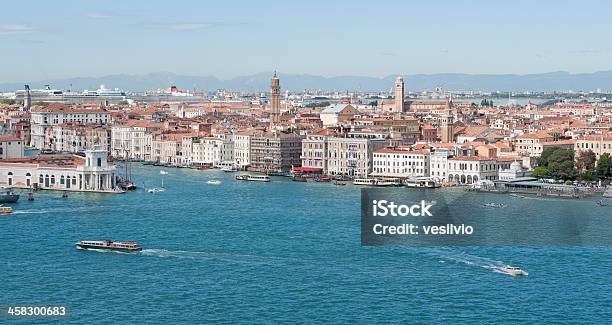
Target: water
(283, 252)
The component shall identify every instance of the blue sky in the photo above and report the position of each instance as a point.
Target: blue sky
(59, 39)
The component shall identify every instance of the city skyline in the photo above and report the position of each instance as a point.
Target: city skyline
(229, 40)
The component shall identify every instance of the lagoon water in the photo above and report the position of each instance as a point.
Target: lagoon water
(283, 252)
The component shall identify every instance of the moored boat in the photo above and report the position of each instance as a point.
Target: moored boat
(108, 245)
(282, 174)
(8, 196)
(364, 181)
(423, 182)
(253, 178)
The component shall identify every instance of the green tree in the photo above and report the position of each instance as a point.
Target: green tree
(543, 161)
(585, 162)
(561, 164)
(7, 101)
(604, 166)
(540, 172)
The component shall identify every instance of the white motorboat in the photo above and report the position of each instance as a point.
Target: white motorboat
(253, 178)
(494, 205)
(214, 182)
(421, 182)
(155, 190)
(512, 270)
(163, 172)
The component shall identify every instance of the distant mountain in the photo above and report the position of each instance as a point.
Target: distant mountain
(296, 82)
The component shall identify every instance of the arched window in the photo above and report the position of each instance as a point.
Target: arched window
(52, 179)
(41, 179)
(62, 179)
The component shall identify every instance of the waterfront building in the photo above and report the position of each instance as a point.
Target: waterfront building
(133, 139)
(78, 137)
(439, 163)
(167, 148)
(399, 95)
(351, 156)
(401, 162)
(515, 172)
(275, 151)
(599, 144)
(211, 151)
(471, 169)
(242, 148)
(315, 150)
(11, 147)
(43, 119)
(91, 173)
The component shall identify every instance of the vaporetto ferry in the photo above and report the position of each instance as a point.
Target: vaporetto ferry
(108, 245)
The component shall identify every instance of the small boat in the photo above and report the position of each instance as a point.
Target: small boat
(339, 183)
(322, 179)
(8, 196)
(5, 210)
(163, 172)
(374, 182)
(282, 174)
(214, 182)
(386, 182)
(298, 179)
(512, 270)
(229, 169)
(108, 245)
(421, 182)
(202, 168)
(253, 178)
(364, 181)
(494, 205)
(155, 190)
(148, 163)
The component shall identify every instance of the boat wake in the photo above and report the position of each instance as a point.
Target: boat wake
(239, 258)
(450, 255)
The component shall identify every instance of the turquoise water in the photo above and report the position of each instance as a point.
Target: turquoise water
(282, 252)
